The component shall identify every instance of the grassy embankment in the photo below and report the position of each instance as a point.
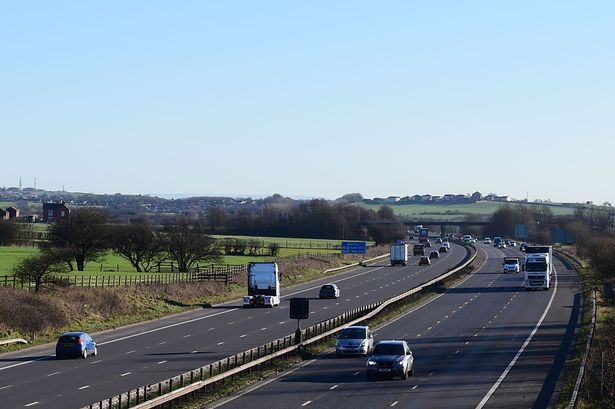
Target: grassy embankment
(593, 393)
(40, 318)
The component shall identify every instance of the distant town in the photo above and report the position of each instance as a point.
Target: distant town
(35, 205)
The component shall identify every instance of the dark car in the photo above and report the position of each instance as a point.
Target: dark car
(427, 244)
(443, 249)
(434, 254)
(390, 358)
(76, 344)
(424, 261)
(329, 291)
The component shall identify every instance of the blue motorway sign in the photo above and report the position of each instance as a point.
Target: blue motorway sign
(353, 247)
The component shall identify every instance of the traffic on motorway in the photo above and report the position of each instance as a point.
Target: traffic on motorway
(153, 351)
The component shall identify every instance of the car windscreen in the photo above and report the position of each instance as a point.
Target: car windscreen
(511, 261)
(69, 339)
(388, 349)
(353, 333)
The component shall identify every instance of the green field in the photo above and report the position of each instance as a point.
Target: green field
(113, 264)
(452, 212)
(4, 205)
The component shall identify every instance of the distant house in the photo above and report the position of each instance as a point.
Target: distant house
(3, 215)
(448, 197)
(13, 213)
(415, 198)
(477, 196)
(502, 199)
(55, 212)
(426, 198)
(392, 199)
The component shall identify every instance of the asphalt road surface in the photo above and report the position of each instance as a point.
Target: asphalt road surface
(157, 350)
(484, 343)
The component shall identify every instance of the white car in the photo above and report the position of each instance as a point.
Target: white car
(487, 240)
(356, 340)
(447, 245)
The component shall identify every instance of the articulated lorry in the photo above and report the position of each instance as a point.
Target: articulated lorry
(538, 267)
(399, 253)
(263, 285)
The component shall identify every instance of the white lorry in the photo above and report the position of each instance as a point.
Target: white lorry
(511, 265)
(263, 285)
(399, 253)
(538, 267)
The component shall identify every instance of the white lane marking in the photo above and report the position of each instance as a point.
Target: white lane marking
(429, 329)
(414, 387)
(84, 387)
(125, 374)
(394, 403)
(263, 329)
(161, 362)
(187, 336)
(456, 352)
(512, 363)
(211, 329)
(431, 374)
(221, 343)
(194, 352)
(333, 387)
(31, 404)
(467, 342)
(250, 318)
(418, 335)
(51, 374)
(369, 271)
(306, 403)
(130, 352)
(95, 362)
(281, 322)
(347, 299)
(9, 386)
(231, 323)
(356, 373)
(242, 336)
(162, 343)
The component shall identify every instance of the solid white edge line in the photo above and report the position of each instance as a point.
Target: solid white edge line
(525, 344)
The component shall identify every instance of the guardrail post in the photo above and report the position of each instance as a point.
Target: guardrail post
(171, 385)
(181, 380)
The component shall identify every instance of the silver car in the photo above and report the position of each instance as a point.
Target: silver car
(390, 358)
(356, 340)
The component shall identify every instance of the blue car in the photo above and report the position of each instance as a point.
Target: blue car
(76, 344)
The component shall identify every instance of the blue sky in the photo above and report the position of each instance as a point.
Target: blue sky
(310, 99)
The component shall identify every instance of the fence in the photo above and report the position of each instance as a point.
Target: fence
(200, 379)
(218, 273)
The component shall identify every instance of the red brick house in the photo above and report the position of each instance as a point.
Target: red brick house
(13, 213)
(55, 212)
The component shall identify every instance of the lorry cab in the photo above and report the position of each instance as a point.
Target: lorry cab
(263, 285)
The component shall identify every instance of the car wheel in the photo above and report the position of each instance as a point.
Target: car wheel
(95, 351)
(370, 377)
(404, 375)
(84, 354)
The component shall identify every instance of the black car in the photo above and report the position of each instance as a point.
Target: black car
(329, 291)
(443, 249)
(434, 254)
(390, 358)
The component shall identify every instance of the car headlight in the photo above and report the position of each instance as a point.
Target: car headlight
(371, 363)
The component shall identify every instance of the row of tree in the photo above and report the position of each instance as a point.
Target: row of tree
(89, 234)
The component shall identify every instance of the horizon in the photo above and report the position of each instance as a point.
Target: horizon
(310, 100)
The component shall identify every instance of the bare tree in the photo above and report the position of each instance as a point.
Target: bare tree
(83, 236)
(138, 243)
(8, 233)
(40, 268)
(189, 245)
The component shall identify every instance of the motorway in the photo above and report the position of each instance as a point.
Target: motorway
(483, 343)
(157, 350)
